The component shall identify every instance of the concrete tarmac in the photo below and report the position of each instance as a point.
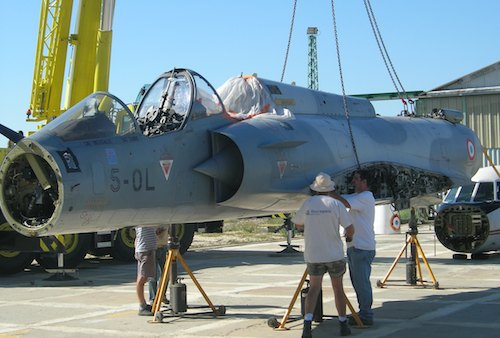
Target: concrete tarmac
(255, 284)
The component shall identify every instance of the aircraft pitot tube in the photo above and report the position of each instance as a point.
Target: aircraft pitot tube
(191, 153)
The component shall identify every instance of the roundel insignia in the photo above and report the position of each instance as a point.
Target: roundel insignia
(471, 150)
(395, 222)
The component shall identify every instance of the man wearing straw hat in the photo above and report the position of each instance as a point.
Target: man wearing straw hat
(320, 216)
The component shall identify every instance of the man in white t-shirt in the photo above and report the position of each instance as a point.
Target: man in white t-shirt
(321, 216)
(361, 250)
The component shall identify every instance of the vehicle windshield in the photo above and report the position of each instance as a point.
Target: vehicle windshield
(450, 196)
(484, 192)
(465, 193)
(207, 101)
(99, 115)
(175, 98)
(165, 105)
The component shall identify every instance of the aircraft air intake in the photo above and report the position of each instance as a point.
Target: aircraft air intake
(225, 167)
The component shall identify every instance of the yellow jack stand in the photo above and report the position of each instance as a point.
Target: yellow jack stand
(273, 322)
(416, 248)
(173, 255)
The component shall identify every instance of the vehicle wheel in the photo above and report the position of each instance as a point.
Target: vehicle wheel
(479, 256)
(77, 246)
(123, 246)
(220, 311)
(186, 238)
(14, 261)
(159, 317)
(273, 322)
(459, 256)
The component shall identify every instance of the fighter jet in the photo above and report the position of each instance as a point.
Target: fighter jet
(191, 153)
(468, 221)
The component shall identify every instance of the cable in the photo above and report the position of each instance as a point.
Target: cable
(289, 40)
(385, 55)
(344, 97)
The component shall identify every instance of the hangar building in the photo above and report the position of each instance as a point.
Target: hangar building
(477, 95)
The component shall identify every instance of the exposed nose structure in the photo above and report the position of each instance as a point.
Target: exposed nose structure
(30, 187)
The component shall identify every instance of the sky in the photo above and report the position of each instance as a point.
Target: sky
(430, 42)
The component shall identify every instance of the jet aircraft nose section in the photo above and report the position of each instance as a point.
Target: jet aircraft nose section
(35, 172)
(30, 184)
(462, 227)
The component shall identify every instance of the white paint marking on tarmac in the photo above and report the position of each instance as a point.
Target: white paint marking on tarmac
(67, 319)
(430, 317)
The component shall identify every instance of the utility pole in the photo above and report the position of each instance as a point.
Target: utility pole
(312, 82)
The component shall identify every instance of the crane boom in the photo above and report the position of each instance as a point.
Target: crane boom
(88, 72)
(50, 61)
(90, 59)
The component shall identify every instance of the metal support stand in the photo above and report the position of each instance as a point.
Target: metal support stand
(288, 247)
(273, 322)
(170, 269)
(414, 262)
(61, 274)
(55, 244)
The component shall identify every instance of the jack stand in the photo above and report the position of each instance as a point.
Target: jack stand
(61, 276)
(170, 268)
(414, 262)
(273, 322)
(288, 247)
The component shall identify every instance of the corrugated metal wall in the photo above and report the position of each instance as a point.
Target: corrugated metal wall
(494, 154)
(482, 114)
(425, 106)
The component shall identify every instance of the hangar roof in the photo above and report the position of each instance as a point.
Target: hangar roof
(488, 76)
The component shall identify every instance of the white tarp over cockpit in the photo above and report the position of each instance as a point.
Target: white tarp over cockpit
(244, 97)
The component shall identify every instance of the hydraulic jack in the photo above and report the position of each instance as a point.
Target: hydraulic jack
(414, 261)
(177, 289)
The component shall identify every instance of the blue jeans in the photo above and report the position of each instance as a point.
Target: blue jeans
(161, 255)
(360, 268)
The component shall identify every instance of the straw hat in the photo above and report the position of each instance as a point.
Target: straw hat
(322, 183)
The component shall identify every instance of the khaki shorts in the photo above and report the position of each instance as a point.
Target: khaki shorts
(146, 264)
(335, 269)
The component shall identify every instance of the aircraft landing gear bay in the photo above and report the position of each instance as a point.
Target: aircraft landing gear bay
(178, 303)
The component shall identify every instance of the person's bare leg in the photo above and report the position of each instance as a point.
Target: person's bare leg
(312, 296)
(338, 291)
(139, 288)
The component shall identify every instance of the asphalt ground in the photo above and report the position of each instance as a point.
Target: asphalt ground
(256, 285)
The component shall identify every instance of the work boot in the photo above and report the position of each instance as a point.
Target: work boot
(306, 331)
(366, 322)
(145, 310)
(345, 330)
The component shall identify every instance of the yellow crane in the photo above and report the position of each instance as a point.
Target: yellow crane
(88, 72)
(90, 61)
